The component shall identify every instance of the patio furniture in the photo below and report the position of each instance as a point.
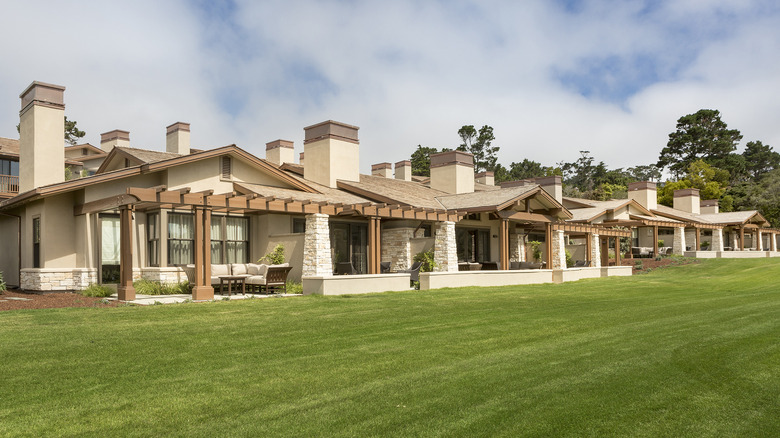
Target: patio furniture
(530, 265)
(490, 266)
(415, 271)
(384, 267)
(580, 264)
(276, 278)
(345, 268)
(232, 279)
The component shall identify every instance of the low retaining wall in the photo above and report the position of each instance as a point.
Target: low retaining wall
(355, 284)
(731, 254)
(436, 280)
(62, 279)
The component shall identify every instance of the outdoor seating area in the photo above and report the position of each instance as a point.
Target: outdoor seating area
(251, 276)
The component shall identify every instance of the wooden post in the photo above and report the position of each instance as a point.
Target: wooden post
(604, 242)
(503, 247)
(698, 240)
(548, 244)
(588, 246)
(655, 241)
(202, 289)
(125, 289)
(741, 238)
(617, 251)
(374, 245)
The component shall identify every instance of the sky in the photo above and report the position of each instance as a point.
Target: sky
(551, 77)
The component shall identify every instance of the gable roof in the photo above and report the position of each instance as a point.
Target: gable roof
(9, 146)
(600, 208)
(86, 146)
(393, 191)
(135, 156)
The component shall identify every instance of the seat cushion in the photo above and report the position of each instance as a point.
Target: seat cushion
(238, 269)
(256, 280)
(253, 269)
(217, 270)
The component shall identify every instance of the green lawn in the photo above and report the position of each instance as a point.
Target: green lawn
(686, 351)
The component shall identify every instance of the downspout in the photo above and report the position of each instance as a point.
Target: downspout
(19, 241)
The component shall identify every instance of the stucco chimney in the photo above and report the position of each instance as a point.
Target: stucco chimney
(382, 169)
(644, 192)
(111, 139)
(552, 185)
(177, 138)
(280, 152)
(452, 172)
(333, 153)
(687, 200)
(709, 206)
(403, 170)
(41, 136)
(487, 178)
(300, 159)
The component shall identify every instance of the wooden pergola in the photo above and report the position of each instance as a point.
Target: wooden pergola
(204, 203)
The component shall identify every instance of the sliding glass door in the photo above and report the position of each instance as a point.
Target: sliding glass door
(349, 243)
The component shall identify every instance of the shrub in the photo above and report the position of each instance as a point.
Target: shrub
(275, 257)
(536, 251)
(705, 245)
(569, 260)
(149, 287)
(293, 287)
(639, 264)
(2, 284)
(97, 290)
(660, 243)
(426, 258)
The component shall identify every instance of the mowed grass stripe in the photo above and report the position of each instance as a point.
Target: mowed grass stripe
(689, 351)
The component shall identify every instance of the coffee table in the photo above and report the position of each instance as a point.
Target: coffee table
(232, 279)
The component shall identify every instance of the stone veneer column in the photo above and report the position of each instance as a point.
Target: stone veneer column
(690, 238)
(559, 250)
(517, 247)
(759, 241)
(717, 240)
(595, 251)
(397, 248)
(316, 246)
(679, 241)
(445, 251)
(734, 241)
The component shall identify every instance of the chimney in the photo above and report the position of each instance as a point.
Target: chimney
(644, 192)
(41, 136)
(709, 206)
(687, 200)
(452, 172)
(403, 170)
(111, 139)
(382, 169)
(177, 138)
(280, 152)
(517, 183)
(486, 178)
(334, 153)
(552, 185)
(300, 159)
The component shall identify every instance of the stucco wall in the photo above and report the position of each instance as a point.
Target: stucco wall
(9, 250)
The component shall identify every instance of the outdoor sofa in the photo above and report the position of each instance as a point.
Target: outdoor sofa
(256, 276)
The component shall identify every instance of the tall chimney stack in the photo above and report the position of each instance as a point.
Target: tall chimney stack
(487, 178)
(116, 138)
(41, 136)
(403, 170)
(177, 138)
(300, 159)
(332, 153)
(644, 192)
(687, 200)
(382, 169)
(552, 185)
(280, 152)
(709, 206)
(452, 172)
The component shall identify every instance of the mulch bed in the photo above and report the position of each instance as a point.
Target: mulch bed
(48, 300)
(651, 264)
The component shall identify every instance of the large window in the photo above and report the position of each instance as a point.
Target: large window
(229, 239)
(153, 239)
(181, 239)
(8, 167)
(36, 232)
(110, 248)
(473, 244)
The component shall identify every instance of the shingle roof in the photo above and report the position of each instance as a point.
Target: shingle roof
(599, 208)
(491, 198)
(394, 191)
(147, 156)
(9, 146)
(327, 193)
(731, 217)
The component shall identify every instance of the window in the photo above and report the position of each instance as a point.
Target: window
(181, 239)
(473, 244)
(153, 239)
(8, 167)
(36, 231)
(226, 167)
(635, 236)
(229, 239)
(298, 225)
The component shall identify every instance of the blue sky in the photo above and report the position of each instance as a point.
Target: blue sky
(552, 78)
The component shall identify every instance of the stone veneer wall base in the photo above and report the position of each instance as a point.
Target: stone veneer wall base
(57, 279)
(445, 251)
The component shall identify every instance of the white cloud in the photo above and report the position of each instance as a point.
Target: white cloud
(407, 73)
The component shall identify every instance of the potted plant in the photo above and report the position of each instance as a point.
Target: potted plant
(536, 250)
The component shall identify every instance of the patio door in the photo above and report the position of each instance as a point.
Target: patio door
(109, 248)
(349, 243)
(473, 245)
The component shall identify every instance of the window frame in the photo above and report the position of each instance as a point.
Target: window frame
(153, 242)
(170, 239)
(36, 241)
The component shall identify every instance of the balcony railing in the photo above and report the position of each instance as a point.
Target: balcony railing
(9, 184)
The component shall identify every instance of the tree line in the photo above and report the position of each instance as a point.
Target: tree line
(700, 153)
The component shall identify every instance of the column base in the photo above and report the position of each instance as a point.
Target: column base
(125, 293)
(200, 293)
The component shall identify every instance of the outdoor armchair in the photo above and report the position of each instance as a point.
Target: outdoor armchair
(415, 271)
